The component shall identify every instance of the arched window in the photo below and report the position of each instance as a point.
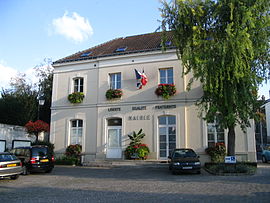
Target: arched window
(76, 131)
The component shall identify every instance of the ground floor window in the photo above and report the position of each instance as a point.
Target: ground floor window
(215, 133)
(76, 132)
(167, 135)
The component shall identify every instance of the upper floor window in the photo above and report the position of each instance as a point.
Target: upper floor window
(78, 85)
(76, 132)
(215, 133)
(166, 76)
(115, 81)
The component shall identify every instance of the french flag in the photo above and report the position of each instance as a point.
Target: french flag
(141, 79)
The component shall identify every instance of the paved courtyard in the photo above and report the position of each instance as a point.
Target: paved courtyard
(135, 184)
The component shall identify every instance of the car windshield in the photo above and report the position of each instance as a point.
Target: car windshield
(7, 157)
(39, 151)
(184, 153)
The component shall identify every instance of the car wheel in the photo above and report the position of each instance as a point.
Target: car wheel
(264, 159)
(174, 172)
(14, 177)
(25, 171)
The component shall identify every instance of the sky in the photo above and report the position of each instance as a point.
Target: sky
(32, 30)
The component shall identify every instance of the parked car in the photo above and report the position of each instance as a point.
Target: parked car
(10, 165)
(35, 158)
(183, 160)
(266, 154)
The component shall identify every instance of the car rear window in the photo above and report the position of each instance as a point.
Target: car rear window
(39, 151)
(7, 157)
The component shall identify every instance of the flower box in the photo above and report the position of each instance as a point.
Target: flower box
(114, 94)
(165, 90)
(76, 97)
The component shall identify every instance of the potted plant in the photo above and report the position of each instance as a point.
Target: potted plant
(76, 97)
(114, 94)
(136, 150)
(165, 90)
(74, 152)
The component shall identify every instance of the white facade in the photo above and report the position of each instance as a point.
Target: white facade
(136, 109)
(267, 114)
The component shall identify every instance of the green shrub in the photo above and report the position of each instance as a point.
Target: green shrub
(74, 151)
(217, 153)
(66, 161)
(227, 168)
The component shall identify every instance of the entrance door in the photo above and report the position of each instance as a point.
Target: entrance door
(114, 147)
(167, 136)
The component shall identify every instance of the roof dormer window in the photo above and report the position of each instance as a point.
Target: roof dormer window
(86, 54)
(121, 49)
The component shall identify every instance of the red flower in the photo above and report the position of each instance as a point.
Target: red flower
(37, 127)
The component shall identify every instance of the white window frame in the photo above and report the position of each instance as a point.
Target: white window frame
(113, 80)
(167, 126)
(166, 78)
(80, 86)
(215, 133)
(77, 129)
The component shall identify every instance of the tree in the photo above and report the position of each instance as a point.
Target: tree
(225, 45)
(18, 104)
(44, 72)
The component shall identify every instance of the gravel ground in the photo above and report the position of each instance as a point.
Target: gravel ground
(135, 184)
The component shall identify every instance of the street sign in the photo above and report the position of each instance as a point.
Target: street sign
(230, 159)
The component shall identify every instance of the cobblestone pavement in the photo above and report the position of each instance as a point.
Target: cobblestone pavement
(135, 184)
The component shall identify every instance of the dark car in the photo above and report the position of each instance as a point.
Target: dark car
(35, 158)
(10, 165)
(184, 160)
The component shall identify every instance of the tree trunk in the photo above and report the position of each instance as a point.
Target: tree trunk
(231, 141)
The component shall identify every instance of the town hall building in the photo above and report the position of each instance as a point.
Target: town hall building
(115, 102)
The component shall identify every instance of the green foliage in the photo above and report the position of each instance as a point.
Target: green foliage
(44, 72)
(225, 45)
(238, 168)
(66, 161)
(76, 97)
(217, 153)
(136, 150)
(74, 152)
(139, 151)
(165, 90)
(136, 137)
(114, 93)
(18, 105)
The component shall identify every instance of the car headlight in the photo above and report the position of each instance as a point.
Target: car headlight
(197, 163)
(176, 163)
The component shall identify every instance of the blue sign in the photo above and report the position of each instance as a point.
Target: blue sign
(230, 159)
